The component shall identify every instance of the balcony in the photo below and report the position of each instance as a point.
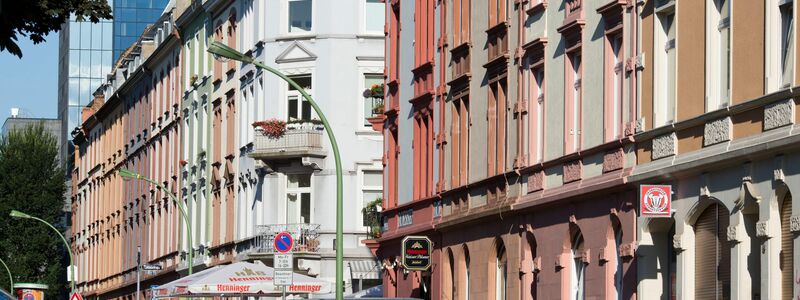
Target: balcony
(306, 238)
(300, 142)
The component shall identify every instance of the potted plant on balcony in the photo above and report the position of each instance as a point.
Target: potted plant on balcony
(375, 91)
(314, 123)
(372, 217)
(272, 128)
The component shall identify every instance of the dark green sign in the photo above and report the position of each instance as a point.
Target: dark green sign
(417, 253)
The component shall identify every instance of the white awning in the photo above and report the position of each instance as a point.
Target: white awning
(364, 269)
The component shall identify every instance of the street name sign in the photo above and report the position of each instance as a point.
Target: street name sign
(417, 253)
(151, 267)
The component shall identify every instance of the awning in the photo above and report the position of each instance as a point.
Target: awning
(240, 279)
(365, 269)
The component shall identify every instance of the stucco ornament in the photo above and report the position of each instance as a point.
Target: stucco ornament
(732, 234)
(664, 146)
(717, 131)
(536, 181)
(779, 114)
(573, 171)
(794, 223)
(613, 160)
(762, 229)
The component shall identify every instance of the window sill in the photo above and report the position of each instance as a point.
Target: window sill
(536, 8)
(368, 132)
(296, 36)
(371, 36)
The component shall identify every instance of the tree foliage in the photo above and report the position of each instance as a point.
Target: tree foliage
(36, 18)
(32, 181)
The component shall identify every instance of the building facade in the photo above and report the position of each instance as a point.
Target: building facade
(131, 123)
(173, 113)
(718, 117)
(335, 61)
(508, 135)
(581, 102)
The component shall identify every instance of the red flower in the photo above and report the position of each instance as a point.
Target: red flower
(273, 128)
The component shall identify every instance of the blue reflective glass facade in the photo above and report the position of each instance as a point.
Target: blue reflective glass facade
(87, 52)
(130, 19)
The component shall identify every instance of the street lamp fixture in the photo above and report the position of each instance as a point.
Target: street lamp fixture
(22, 215)
(221, 51)
(128, 174)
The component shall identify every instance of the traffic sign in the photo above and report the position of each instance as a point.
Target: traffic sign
(283, 242)
(283, 278)
(76, 296)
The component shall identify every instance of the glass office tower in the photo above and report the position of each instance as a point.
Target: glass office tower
(130, 19)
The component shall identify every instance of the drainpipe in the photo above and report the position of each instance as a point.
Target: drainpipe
(209, 118)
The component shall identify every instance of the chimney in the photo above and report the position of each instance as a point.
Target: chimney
(14, 112)
(94, 106)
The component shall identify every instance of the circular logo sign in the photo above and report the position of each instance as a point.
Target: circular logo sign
(283, 242)
(28, 296)
(655, 200)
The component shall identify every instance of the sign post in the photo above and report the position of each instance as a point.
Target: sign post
(283, 262)
(417, 253)
(655, 201)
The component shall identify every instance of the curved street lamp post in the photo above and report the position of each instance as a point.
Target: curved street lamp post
(10, 279)
(128, 174)
(221, 51)
(22, 215)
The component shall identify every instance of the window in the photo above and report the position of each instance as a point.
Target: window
(497, 113)
(371, 187)
(577, 269)
(374, 16)
(712, 257)
(573, 111)
(536, 126)
(298, 198)
(300, 16)
(664, 108)
(618, 261)
(461, 21)
(498, 11)
(459, 137)
(786, 258)
(466, 273)
(297, 107)
(614, 83)
(787, 43)
(501, 273)
(373, 103)
(718, 56)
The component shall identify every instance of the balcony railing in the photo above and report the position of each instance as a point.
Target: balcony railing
(306, 237)
(299, 140)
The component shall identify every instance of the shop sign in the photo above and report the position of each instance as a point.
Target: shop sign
(417, 253)
(655, 201)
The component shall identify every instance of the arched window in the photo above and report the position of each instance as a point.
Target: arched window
(449, 289)
(577, 268)
(500, 272)
(465, 292)
(618, 259)
(712, 258)
(786, 259)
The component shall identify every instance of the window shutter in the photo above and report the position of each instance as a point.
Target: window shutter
(712, 254)
(787, 250)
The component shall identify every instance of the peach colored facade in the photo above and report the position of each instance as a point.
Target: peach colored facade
(131, 123)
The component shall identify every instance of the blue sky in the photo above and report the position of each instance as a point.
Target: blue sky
(30, 83)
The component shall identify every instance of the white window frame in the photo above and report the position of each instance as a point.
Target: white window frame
(715, 62)
(501, 276)
(299, 191)
(363, 24)
(774, 44)
(374, 166)
(300, 99)
(577, 272)
(664, 97)
(363, 100)
(285, 19)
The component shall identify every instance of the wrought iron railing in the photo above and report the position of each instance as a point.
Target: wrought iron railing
(306, 237)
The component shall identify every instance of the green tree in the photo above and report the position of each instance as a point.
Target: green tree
(36, 18)
(32, 181)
